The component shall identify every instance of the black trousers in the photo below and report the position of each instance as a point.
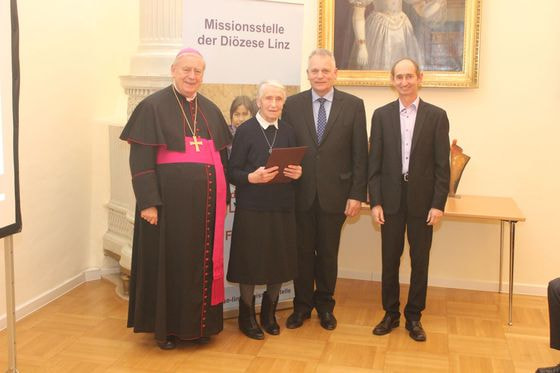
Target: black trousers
(318, 237)
(554, 312)
(419, 236)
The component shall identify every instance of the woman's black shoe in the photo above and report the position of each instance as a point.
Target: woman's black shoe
(247, 320)
(268, 315)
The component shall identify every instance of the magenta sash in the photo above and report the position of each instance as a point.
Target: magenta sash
(207, 155)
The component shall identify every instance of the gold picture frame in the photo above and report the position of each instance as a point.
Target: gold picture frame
(454, 44)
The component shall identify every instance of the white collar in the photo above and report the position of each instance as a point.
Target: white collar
(414, 104)
(329, 96)
(264, 124)
(186, 98)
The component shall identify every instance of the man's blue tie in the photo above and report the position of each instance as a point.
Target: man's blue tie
(321, 119)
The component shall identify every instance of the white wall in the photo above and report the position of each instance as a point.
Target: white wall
(510, 127)
(71, 53)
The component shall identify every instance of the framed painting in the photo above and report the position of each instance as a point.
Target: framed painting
(368, 36)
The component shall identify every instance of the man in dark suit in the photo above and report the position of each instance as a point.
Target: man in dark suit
(408, 187)
(554, 315)
(332, 125)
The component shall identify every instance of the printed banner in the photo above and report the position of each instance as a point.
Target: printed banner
(240, 48)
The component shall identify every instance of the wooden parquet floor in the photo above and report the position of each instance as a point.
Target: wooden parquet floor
(84, 331)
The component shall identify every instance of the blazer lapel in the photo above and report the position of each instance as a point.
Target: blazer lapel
(418, 125)
(308, 116)
(336, 108)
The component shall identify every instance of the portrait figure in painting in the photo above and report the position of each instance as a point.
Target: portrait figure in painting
(373, 34)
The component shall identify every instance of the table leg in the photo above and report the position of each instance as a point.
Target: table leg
(501, 254)
(511, 260)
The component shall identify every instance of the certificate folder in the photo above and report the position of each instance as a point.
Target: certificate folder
(282, 157)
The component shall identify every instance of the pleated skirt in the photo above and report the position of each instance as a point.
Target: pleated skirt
(263, 247)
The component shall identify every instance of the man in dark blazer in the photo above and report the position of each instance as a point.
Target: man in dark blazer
(408, 186)
(332, 125)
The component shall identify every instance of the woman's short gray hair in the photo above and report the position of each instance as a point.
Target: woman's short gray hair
(270, 83)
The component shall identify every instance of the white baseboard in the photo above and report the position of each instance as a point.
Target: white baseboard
(527, 289)
(110, 271)
(92, 274)
(358, 275)
(453, 283)
(42, 300)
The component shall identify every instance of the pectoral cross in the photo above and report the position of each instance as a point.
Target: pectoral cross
(196, 143)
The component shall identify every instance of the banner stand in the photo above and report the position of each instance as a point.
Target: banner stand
(10, 303)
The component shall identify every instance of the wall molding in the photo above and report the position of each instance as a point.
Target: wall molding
(452, 283)
(27, 308)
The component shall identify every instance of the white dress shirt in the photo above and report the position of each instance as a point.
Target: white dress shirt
(328, 103)
(408, 118)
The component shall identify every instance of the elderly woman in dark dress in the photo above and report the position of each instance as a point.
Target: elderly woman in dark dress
(263, 246)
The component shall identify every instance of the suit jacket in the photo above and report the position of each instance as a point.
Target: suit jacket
(336, 169)
(428, 171)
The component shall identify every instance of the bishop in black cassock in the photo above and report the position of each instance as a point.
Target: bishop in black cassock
(178, 156)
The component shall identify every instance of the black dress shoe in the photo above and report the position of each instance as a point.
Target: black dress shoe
(554, 369)
(201, 340)
(415, 331)
(328, 321)
(386, 325)
(295, 320)
(168, 344)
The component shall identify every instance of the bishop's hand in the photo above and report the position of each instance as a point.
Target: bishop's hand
(150, 215)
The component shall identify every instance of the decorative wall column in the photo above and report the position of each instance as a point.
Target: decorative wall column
(161, 24)
(160, 39)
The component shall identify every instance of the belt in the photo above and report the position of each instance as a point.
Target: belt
(405, 177)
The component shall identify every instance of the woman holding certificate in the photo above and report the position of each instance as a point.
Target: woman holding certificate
(263, 247)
